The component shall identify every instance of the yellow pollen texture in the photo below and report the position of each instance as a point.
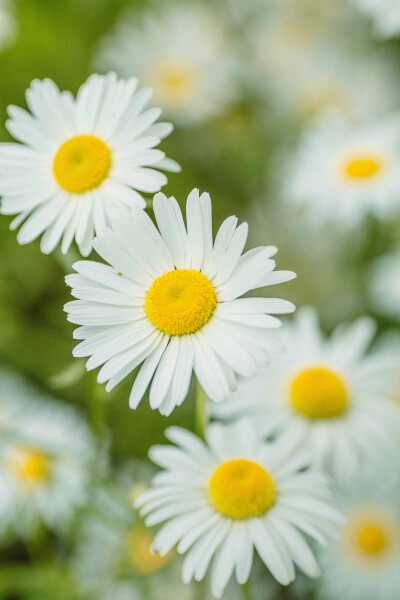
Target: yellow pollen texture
(81, 164)
(30, 465)
(362, 167)
(241, 489)
(318, 393)
(372, 539)
(141, 559)
(180, 302)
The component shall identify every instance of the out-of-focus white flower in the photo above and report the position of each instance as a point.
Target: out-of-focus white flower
(328, 395)
(384, 285)
(45, 460)
(342, 172)
(385, 15)
(364, 564)
(8, 26)
(236, 493)
(171, 299)
(182, 52)
(82, 162)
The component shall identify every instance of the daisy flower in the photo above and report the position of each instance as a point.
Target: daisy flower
(236, 493)
(82, 162)
(8, 26)
(343, 172)
(44, 464)
(171, 299)
(113, 559)
(384, 285)
(385, 15)
(182, 53)
(364, 564)
(327, 394)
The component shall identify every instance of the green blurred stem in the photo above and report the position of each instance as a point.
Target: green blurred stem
(201, 410)
(246, 593)
(97, 400)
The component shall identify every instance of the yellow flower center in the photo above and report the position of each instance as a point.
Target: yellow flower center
(318, 393)
(372, 539)
(81, 164)
(30, 465)
(141, 559)
(174, 81)
(180, 302)
(241, 489)
(362, 167)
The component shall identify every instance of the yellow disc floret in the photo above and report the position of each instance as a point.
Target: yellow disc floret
(318, 393)
(142, 561)
(372, 539)
(180, 302)
(29, 465)
(241, 489)
(175, 81)
(81, 164)
(362, 167)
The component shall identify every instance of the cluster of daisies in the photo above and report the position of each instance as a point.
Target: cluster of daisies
(292, 473)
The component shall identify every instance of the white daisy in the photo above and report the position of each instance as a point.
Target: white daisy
(170, 299)
(8, 26)
(82, 162)
(235, 494)
(384, 285)
(182, 53)
(364, 565)
(44, 463)
(327, 394)
(342, 173)
(385, 15)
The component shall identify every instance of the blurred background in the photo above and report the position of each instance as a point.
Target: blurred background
(249, 87)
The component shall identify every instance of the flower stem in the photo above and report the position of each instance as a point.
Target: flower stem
(201, 410)
(246, 593)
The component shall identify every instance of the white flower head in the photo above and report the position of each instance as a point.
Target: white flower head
(342, 172)
(384, 285)
(170, 299)
(8, 25)
(364, 563)
(329, 394)
(385, 15)
(82, 162)
(45, 462)
(182, 53)
(236, 493)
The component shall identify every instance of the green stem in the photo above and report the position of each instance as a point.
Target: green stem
(246, 592)
(201, 410)
(96, 405)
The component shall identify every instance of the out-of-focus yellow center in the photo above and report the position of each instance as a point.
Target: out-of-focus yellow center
(372, 539)
(142, 561)
(82, 163)
(30, 465)
(174, 81)
(241, 489)
(362, 167)
(180, 302)
(318, 393)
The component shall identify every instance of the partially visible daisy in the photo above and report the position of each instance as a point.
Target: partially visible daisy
(328, 394)
(182, 52)
(8, 26)
(364, 564)
(342, 172)
(82, 162)
(222, 499)
(385, 15)
(170, 299)
(45, 466)
(384, 285)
